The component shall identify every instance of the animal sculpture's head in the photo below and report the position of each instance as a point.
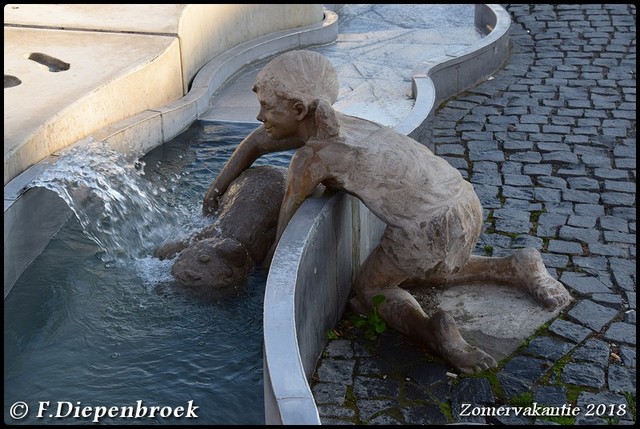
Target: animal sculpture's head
(213, 263)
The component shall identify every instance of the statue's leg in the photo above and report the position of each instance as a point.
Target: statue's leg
(401, 311)
(524, 268)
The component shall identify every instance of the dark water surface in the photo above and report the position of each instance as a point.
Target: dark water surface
(90, 325)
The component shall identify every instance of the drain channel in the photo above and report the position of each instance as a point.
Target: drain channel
(54, 64)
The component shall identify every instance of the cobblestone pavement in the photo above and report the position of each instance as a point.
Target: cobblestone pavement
(550, 146)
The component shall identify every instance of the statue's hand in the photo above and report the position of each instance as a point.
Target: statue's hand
(210, 202)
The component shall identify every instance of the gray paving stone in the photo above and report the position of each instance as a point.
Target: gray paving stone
(621, 333)
(631, 299)
(579, 196)
(569, 330)
(566, 247)
(589, 209)
(622, 379)
(548, 348)
(608, 250)
(591, 263)
(367, 408)
(618, 198)
(373, 367)
(583, 374)
(628, 355)
(339, 349)
(474, 391)
(521, 193)
(336, 371)
(336, 411)
(334, 422)
(582, 221)
(371, 388)
(384, 420)
(533, 168)
(527, 241)
(587, 235)
(583, 284)
(551, 182)
(619, 237)
(610, 173)
(427, 373)
(555, 396)
(547, 194)
(612, 300)
(329, 393)
(613, 223)
(592, 315)
(583, 183)
(555, 261)
(593, 350)
(429, 414)
(588, 401)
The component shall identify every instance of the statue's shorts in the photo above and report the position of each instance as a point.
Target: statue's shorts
(438, 243)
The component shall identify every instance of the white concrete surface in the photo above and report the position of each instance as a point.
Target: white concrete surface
(123, 60)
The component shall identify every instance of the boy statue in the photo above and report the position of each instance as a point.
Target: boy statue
(433, 216)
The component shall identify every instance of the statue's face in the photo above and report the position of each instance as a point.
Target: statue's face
(278, 116)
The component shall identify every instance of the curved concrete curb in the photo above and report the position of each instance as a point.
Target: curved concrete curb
(436, 80)
(28, 227)
(296, 314)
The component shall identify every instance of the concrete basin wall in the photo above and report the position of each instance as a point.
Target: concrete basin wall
(328, 238)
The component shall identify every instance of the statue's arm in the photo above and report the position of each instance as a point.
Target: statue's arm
(251, 148)
(305, 173)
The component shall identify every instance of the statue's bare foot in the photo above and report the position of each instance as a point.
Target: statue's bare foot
(546, 290)
(450, 345)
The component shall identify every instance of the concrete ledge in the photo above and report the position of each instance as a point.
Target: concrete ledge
(306, 293)
(436, 80)
(175, 117)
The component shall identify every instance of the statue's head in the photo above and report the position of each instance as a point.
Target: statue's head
(299, 75)
(212, 263)
(299, 81)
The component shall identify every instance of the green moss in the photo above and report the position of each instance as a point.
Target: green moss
(631, 401)
(573, 392)
(522, 400)
(566, 420)
(445, 407)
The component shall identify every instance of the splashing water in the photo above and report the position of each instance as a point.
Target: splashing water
(125, 214)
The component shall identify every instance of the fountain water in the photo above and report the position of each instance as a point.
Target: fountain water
(93, 319)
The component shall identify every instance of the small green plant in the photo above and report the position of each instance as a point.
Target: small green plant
(488, 249)
(332, 335)
(372, 322)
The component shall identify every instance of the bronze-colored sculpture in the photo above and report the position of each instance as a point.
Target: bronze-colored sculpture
(433, 215)
(240, 238)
